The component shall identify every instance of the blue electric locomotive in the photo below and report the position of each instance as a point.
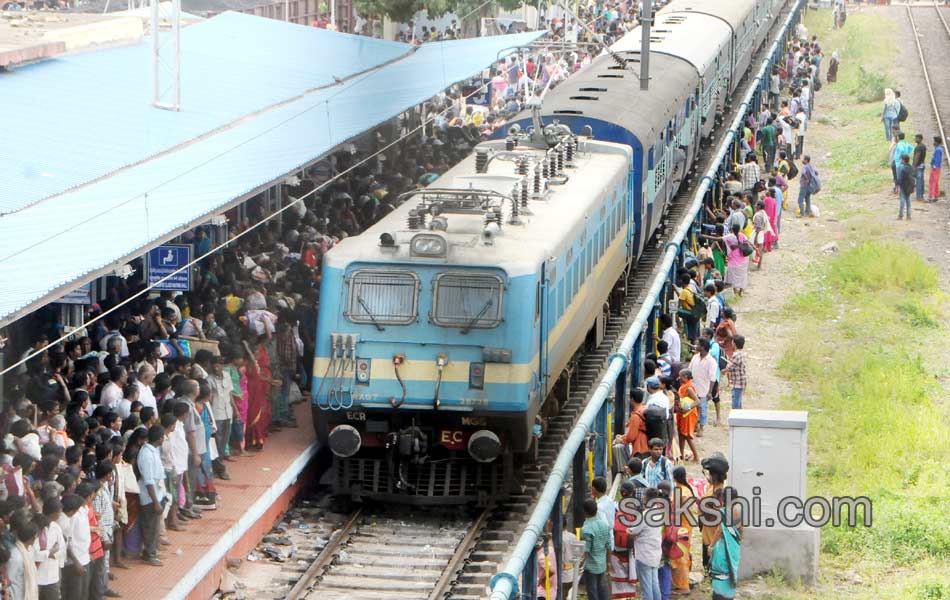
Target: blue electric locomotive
(444, 327)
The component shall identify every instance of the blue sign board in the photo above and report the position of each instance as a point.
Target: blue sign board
(164, 260)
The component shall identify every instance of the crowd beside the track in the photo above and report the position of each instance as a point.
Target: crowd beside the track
(700, 354)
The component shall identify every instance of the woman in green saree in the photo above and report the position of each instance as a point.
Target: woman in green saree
(726, 551)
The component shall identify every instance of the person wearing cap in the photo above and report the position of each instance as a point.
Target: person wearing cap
(715, 469)
(655, 396)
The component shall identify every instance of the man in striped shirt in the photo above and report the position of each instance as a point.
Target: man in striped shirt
(596, 535)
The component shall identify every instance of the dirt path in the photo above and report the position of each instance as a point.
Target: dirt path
(762, 314)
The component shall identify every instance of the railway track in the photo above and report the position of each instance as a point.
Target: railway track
(932, 37)
(388, 554)
(404, 556)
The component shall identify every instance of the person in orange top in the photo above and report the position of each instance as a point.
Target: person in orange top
(636, 434)
(687, 414)
(684, 564)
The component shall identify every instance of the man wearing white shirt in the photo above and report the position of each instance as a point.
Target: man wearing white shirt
(606, 508)
(151, 493)
(50, 551)
(144, 385)
(123, 343)
(76, 574)
(112, 392)
(671, 337)
(703, 367)
(656, 397)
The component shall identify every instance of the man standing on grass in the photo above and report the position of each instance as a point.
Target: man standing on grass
(737, 373)
(903, 148)
(905, 185)
(809, 178)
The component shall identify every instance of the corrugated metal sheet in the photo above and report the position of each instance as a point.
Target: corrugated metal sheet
(53, 245)
(82, 116)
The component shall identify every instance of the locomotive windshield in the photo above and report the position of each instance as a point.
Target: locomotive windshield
(380, 297)
(466, 300)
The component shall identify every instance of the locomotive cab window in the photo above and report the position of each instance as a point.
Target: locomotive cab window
(380, 297)
(469, 301)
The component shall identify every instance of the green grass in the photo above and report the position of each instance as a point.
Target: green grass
(864, 70)
(877, 426)
(858, 153)
(866, 327)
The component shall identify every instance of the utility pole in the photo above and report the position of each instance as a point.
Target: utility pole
(166, 71)
(646, 23)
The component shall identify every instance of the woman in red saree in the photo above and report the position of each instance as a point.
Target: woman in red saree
(771, 209)
(259, 382)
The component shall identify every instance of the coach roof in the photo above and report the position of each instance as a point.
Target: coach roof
(607, 92)
(733, 12)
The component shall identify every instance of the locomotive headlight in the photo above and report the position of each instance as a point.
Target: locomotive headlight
(426, 244)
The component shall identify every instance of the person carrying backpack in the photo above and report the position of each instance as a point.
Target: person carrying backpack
(906, 182)
(714, 306)
(691, 308)
(809, 184)
(656, 412)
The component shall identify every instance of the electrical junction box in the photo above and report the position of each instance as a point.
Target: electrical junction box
(768, 456)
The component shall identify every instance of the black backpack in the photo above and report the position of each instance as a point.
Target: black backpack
(903, 113)
(792, 169)
(655, 419)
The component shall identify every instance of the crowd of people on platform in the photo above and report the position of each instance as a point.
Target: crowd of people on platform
(115, 437)
(700, 354)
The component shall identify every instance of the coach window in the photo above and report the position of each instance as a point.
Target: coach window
(467, 300)
(381, 297)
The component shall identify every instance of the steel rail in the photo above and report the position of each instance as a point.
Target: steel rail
(325, 557)
(923, 63)
(461, 553)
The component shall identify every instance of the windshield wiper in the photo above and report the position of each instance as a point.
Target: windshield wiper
(481, 313)
(369, 313)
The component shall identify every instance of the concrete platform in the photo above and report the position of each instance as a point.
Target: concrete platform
(261, 488)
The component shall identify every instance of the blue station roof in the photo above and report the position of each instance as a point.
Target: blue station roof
(258, 123)
(82, 116)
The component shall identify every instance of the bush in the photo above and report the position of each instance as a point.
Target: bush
(870, 86)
